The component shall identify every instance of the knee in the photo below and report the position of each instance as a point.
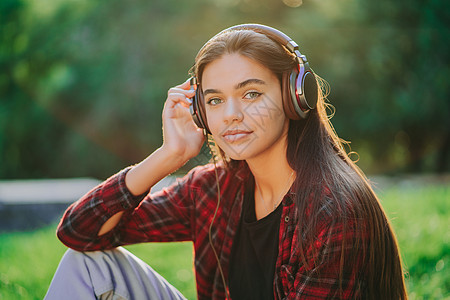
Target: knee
(71, 258)
(76, 257)
(78, 262)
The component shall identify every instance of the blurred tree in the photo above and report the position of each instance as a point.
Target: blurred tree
(386, 64)
(418, 60)
(34, 136)
(400, 106)
(22, 145)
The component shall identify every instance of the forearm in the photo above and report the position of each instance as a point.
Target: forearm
(82, 221)
(143, 176)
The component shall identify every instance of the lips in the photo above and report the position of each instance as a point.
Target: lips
(236, 135)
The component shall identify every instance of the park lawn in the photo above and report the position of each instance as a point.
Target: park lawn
(419, 215)
(28, 261)
(421, 220)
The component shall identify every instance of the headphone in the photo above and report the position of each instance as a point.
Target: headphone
(299, 87)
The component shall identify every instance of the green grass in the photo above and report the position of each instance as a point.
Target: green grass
(421, 219)
(420, 216)
(28, 261)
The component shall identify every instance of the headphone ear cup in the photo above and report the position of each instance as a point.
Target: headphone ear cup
(303, 90)
(310, 89)
(194, 111)
(288, 101)
(296, 99)
(201, 111)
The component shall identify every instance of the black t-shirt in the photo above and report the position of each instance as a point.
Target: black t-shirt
(254, 252)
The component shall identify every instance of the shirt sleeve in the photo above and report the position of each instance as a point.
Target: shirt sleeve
(162, 216)
(319, 278)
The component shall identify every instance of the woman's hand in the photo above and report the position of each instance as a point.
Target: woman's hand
(182, 141)
(182, 138)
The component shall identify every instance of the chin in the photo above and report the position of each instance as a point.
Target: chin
(236, 151)
(239, 153)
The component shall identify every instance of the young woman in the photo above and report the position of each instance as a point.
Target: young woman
(284, 214)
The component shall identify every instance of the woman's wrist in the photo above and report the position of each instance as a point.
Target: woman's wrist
(175, 159)
(155, 167)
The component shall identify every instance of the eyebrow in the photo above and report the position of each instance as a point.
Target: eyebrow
(237, 86)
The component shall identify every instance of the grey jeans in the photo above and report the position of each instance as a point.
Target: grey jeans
(112, 274)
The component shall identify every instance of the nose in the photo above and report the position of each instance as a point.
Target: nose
(233, 111)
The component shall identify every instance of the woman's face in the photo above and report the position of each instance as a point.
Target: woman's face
(243, 107)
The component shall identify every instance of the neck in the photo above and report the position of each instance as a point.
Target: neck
(272, 173)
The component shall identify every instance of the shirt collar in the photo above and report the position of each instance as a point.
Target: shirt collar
(242, 171)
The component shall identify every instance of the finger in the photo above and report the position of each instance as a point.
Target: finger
(185, 85)
(178, 98)
(175, 90)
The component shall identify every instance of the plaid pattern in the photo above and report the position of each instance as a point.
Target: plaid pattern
(183, 212)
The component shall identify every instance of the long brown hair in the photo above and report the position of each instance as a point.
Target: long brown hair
(328, 183)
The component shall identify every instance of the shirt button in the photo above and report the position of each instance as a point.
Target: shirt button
(286, 219)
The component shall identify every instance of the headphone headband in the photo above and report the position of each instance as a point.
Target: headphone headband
(271, 32)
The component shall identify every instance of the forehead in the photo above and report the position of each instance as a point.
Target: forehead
(230, 69)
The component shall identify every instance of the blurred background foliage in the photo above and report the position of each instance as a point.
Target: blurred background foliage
(82, 83)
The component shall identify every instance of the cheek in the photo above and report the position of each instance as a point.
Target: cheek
(216, 127)
(265, 114)
(213, 121)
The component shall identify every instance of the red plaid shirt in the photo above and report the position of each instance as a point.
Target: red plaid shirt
(183, 212)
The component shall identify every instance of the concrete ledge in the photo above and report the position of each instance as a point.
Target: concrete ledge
(30, 204)
(44, 191)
